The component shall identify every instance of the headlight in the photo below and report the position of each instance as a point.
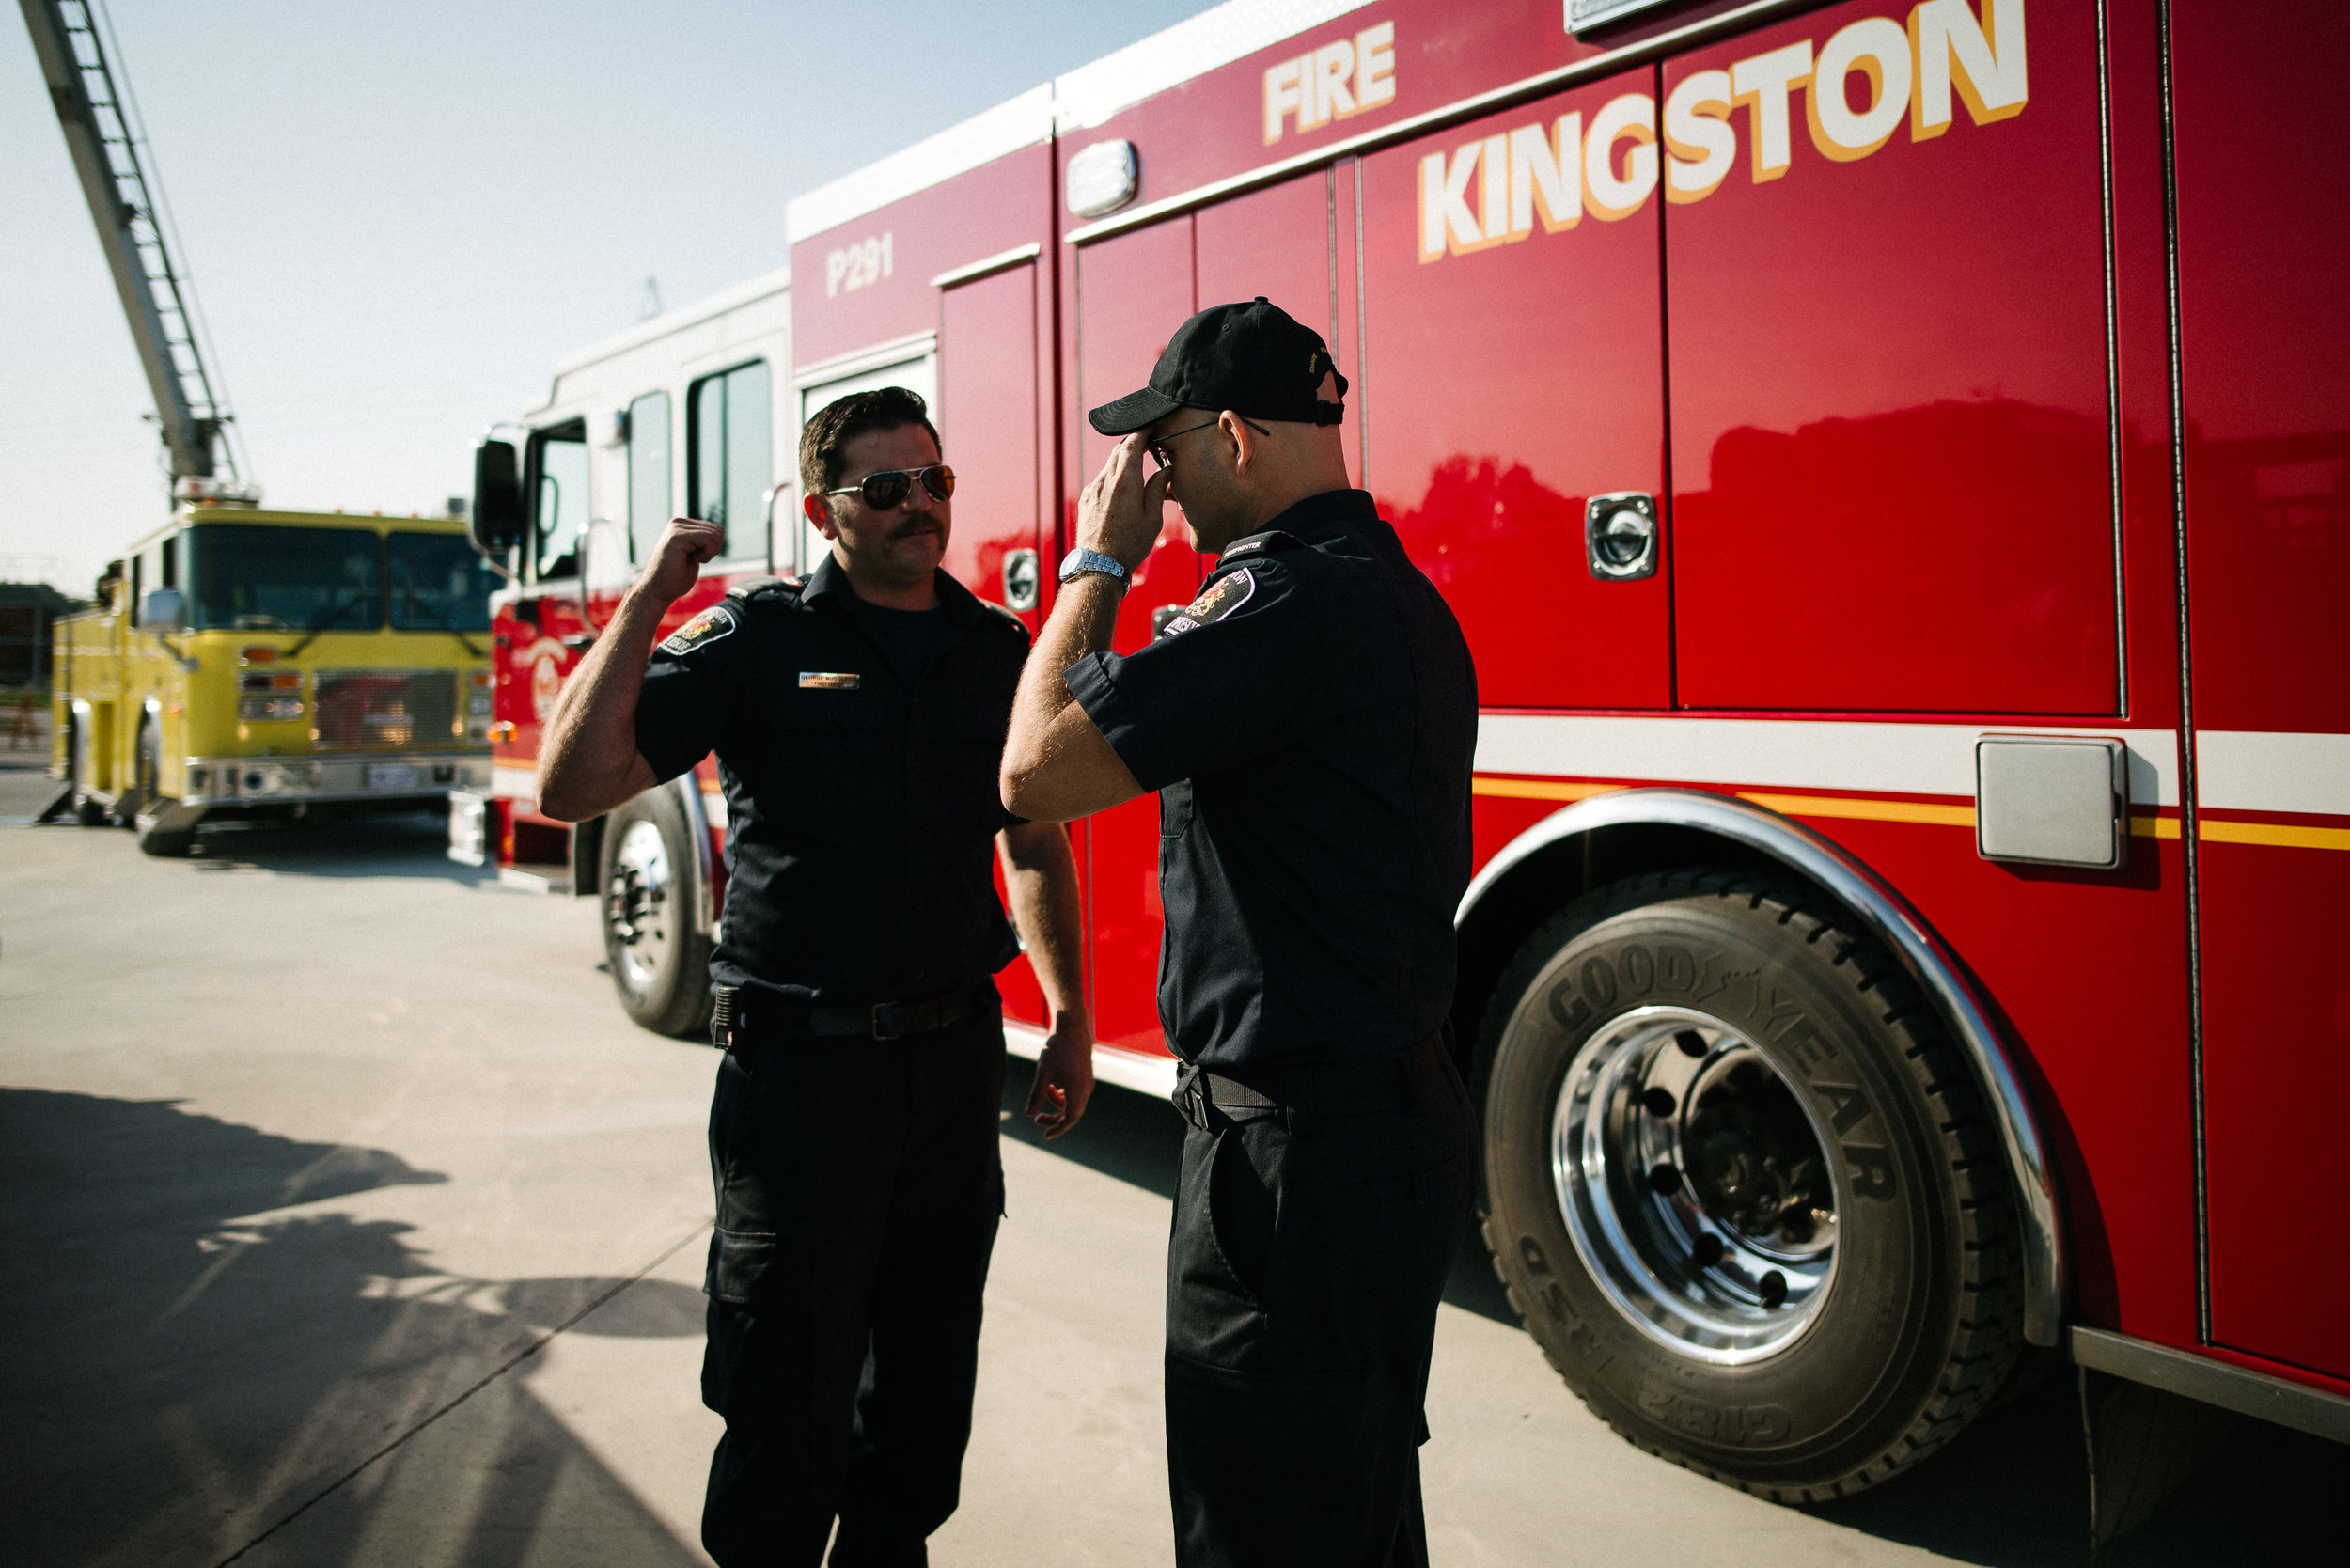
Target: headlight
(270, 709)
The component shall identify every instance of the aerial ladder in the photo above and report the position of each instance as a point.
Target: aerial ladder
(81, 63)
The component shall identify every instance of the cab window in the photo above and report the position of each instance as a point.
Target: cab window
(648, 473)
(438, 583)
(731, 435)
(254, 577)
(557, 482)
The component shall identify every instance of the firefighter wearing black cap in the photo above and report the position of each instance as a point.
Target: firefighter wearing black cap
(857, 719)
(1309, 722)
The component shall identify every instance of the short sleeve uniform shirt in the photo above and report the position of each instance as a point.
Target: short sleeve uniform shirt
(859, 759)
(1309, 722)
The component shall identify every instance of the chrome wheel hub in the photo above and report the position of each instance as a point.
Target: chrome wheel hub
(638, 906)
(1696, 1185)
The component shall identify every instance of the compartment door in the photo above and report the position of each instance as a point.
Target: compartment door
(2264, 332)
(987, 429)
(986, 416)
(1133, 292)
(1512, 369)
(1892, 447)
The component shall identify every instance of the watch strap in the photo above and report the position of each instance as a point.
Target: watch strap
(1082, 560)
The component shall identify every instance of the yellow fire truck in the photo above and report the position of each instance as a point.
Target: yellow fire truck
(246, 663)
(239, 660)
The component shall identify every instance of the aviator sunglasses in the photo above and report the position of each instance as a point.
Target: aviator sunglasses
(887, 490)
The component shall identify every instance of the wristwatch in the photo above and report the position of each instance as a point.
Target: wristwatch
(1082, 560)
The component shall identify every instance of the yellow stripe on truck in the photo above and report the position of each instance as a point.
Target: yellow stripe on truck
(2286, 834)
(1536, 789)
(1866, 810)
(2142, 826)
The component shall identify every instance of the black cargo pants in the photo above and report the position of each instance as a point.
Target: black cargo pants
(859, 1184)
(1308, 1251)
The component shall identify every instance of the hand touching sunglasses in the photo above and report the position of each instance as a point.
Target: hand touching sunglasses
(887, 490)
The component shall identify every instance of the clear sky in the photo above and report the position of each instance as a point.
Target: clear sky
(399, 217)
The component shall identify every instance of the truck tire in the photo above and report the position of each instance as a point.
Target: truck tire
(658, 955)
(167, 843)
(1741, 1186)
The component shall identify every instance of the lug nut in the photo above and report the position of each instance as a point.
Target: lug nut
(1773, 1287)
(1691, 1043)
(1658, 1102)
(1665, 1177)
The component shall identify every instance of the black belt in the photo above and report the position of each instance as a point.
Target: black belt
(740, 1010)
(1350, 1086)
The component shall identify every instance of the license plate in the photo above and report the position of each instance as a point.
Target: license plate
(391, 776)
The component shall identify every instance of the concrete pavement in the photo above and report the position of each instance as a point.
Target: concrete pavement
(344, 1220)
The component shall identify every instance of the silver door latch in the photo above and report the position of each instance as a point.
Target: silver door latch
(1020, 579)
(1620, 534)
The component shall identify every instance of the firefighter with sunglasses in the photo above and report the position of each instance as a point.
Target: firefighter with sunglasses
(858, 718)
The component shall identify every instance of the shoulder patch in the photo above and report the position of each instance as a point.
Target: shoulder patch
(1216, 600)
(704, 628)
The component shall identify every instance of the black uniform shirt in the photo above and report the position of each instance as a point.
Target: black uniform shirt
(1309, 722)
(862, 804)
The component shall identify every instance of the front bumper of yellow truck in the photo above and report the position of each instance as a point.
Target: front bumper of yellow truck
(375, 775)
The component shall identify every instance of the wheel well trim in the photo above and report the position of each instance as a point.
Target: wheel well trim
(687, 787)
(1916, 946)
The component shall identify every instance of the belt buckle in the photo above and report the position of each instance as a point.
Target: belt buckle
(881, 1029)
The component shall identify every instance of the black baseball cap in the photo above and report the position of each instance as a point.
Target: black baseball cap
(1255, 359)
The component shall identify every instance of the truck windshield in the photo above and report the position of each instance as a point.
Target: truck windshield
(249, 577)
(439, 584)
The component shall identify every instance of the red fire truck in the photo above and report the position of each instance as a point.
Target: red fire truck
(1889, 461)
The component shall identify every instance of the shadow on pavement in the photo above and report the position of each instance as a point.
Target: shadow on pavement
(645, 1309)
(371, 844)
(180, 1378)
(2012, 1491)
(397, 843)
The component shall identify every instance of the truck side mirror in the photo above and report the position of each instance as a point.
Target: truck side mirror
(162, 610)
(498, 523)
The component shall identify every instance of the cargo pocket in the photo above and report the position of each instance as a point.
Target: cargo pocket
(738, 1260)
(1241, 1211)
(1175, 803)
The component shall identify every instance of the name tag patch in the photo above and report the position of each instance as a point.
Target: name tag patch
(704, 628)
(830, 681)
(1218, 600)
